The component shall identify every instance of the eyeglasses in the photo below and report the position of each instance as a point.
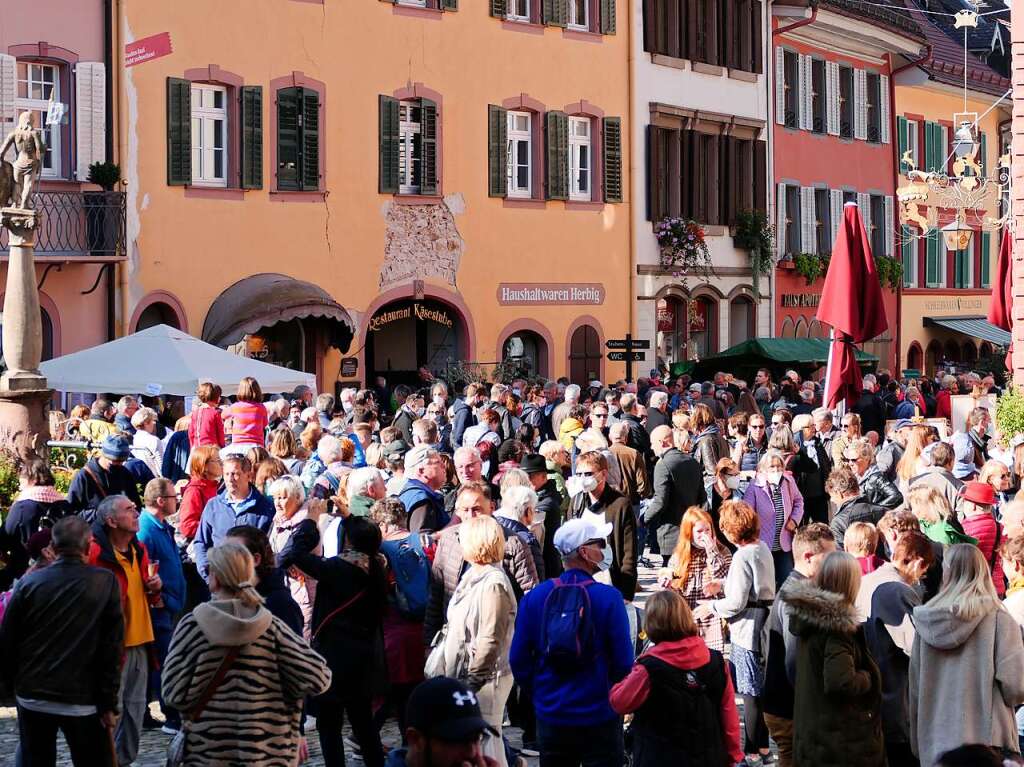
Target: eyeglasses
(756, 426)
(851, 460)
(170, 496)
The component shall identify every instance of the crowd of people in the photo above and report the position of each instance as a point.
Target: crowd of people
(849, 590)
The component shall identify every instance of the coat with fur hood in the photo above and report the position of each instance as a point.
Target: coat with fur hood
(838, 691)
(966, 677)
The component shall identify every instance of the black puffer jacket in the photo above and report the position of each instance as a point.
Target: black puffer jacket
(854, 510)
(878, 490)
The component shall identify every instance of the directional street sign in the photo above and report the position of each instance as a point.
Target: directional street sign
(626, 351)
(628, 344)
(627, 356)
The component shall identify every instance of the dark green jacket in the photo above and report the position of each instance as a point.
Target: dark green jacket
(838, 697)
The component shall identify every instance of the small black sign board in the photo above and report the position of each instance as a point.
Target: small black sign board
(349, 367)
(627, 356)
(626, 350)
(628, 344)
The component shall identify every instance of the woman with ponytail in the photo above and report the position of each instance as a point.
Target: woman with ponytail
(237, 673)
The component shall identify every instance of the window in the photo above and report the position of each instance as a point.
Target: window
(913, 142)
(819, 107)
(792, 236)
(579, 14)
(703, 327)
(906, 136)
(849, 196)
(935, 260)
(38, 84)
(873, 107)
(580, 158)
(415, 3)
(963, 261)
(792, 79)
(876, 232)
(298, 136)
(520, 154)
(741, 320)
(708, 31)
(822, 222)
(209, 135)
(845, 102)
(934, 147)
(410, 147)
(519, 10)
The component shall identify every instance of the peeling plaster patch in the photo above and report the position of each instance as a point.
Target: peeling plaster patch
(421, 241)
(456, 203)
(145, 201)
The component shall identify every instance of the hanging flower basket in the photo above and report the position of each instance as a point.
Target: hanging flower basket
(683, 247)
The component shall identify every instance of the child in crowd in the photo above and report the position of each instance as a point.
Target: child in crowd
(861, 540)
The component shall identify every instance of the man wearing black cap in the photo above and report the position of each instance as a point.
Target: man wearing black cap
(444, 728)
(102, 477)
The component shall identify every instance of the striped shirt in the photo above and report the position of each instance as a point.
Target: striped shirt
(775, 491)
(248, 423)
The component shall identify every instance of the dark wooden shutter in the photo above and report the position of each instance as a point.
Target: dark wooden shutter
(693, 26)
(756, 39)
(387, 111)
(179, 131)
(309, 146)
(289, 139)
(251, 138)
(497, 151)
(449, 5)
(499, 8)
(611, 145)
(727, 33)
(556, 145)
(728, 194)
(650, 19)
(428, 137)
(761, 176)
(687, 168)
(608, 21)
(653, 164)
(555, 13)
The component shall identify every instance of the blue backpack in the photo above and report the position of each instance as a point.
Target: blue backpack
(411, 568)
(567, 634)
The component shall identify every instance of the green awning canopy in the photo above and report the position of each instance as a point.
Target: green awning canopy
(972, 327)
(776, 354)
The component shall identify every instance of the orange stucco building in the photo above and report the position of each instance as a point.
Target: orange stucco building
(431, 181)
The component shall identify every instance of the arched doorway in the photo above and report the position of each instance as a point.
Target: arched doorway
(47, 324)
(157, 313)
(704, 327)
(409, 334)
(529, 350)
(934, 357)
(584, 355)
(671, 318)
(915, 357)
(741, 320)
(970, 353)
(986, 349)
(952, 351)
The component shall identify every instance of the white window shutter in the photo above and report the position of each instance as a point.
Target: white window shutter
(780, 86)
(890, 228)
(90, 116)
(780, 219)
(803, 113)
(864, 203)
(860, 121)
(835, 198)
(8, 81)
(807, 218)
(832, 95)
(883, 107)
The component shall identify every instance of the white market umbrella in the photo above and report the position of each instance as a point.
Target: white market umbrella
(166, 358)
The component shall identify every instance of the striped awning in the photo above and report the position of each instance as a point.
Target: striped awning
(973, 327)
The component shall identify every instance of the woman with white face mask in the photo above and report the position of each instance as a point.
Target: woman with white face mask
(728, 486)
(779, 505)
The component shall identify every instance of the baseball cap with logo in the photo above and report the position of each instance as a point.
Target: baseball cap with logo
(446, 709)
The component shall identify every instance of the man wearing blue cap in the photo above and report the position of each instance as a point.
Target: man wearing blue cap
(103, 476)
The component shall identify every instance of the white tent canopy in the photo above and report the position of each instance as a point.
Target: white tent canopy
(166, 358)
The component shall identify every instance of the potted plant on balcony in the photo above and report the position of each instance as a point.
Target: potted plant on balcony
(102, 213)
(683, 247)
(754, 233)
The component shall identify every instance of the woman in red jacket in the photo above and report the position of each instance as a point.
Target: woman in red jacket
(680, 694)
(204, 477)
(943, 404)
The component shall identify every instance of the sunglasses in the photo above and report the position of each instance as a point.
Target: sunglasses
(756, 426)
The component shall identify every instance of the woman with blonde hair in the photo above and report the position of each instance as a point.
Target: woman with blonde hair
(967, 663)
(146, 446)
(284, 446)
(478, 634)
(850, 430)
(996, 474)
(253, 669)
(698, 561)
(289, 497)
(911, 464)
(838, 688)
(935, 516)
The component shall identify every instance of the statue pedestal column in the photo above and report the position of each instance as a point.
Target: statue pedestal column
(24, 396)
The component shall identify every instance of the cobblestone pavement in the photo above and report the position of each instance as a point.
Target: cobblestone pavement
(153, 748)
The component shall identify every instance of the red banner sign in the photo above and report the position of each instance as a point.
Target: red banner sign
(147, 49)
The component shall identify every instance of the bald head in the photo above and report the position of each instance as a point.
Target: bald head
(661, 439)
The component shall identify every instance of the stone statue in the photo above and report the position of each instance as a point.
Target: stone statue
(27, 165)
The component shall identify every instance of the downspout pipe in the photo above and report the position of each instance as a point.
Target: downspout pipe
(797, 24)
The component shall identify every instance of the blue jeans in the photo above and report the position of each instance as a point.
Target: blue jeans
(594, 745)
(783, 561)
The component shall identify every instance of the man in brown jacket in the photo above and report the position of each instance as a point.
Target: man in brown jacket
(601, 498)
(473, 500)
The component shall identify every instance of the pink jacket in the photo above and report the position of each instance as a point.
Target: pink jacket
(757, 496)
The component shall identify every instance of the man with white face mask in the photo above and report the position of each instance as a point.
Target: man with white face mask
(597, 500)
(678, 485)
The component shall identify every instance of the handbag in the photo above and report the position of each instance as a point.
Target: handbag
(176, 748)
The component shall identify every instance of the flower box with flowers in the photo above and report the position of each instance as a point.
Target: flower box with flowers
(683, 246)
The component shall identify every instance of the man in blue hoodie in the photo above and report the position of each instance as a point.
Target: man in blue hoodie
(240, 503)
(576, 725)
(157, 534)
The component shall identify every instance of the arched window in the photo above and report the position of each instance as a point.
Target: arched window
(933, 356)
(529, 351)
(801, 328)
(914, 357)
(671, 319)
(952, 351)
(157, 313)
(47, 325)
(787, 331)
(986, 349)
(741, 320)
(970, 355)
(704, 327)
(584, 355)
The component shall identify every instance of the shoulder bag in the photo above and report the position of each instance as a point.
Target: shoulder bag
(176, 748)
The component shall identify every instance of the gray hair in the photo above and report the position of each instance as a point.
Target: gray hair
(71, 536)
(822, 414)
(762, 394)
(108, 508)
(360, 480)
(470, 451)
(519, 500)
(141, 415)
(658, 398)
(572, 393)
(325, 403)
(627, 402)
(329, 449)
(125, 402)
(590, 440)
(618, 430)
(291, 485)
(869, 381)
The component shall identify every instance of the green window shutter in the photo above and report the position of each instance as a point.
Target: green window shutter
(555, 13)
(908, 251)
(497, 151)
(499, 8)
(931, 263)
(929, 147)
(608, 17)
(387, 112)
(556, 143)
(901, 138)
(252, 137)
(959, 275)
(309, 147)
(986, 259)
(611, 145)
(983, 153)
(449, 5)
(428, 135)
(179, 131)
(288, 139)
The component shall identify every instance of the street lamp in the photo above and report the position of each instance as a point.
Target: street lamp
(956, 234)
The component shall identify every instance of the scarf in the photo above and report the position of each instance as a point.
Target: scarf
(41, 494)
(1016, 584)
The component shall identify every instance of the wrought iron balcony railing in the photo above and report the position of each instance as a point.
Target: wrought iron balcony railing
(77, 224)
